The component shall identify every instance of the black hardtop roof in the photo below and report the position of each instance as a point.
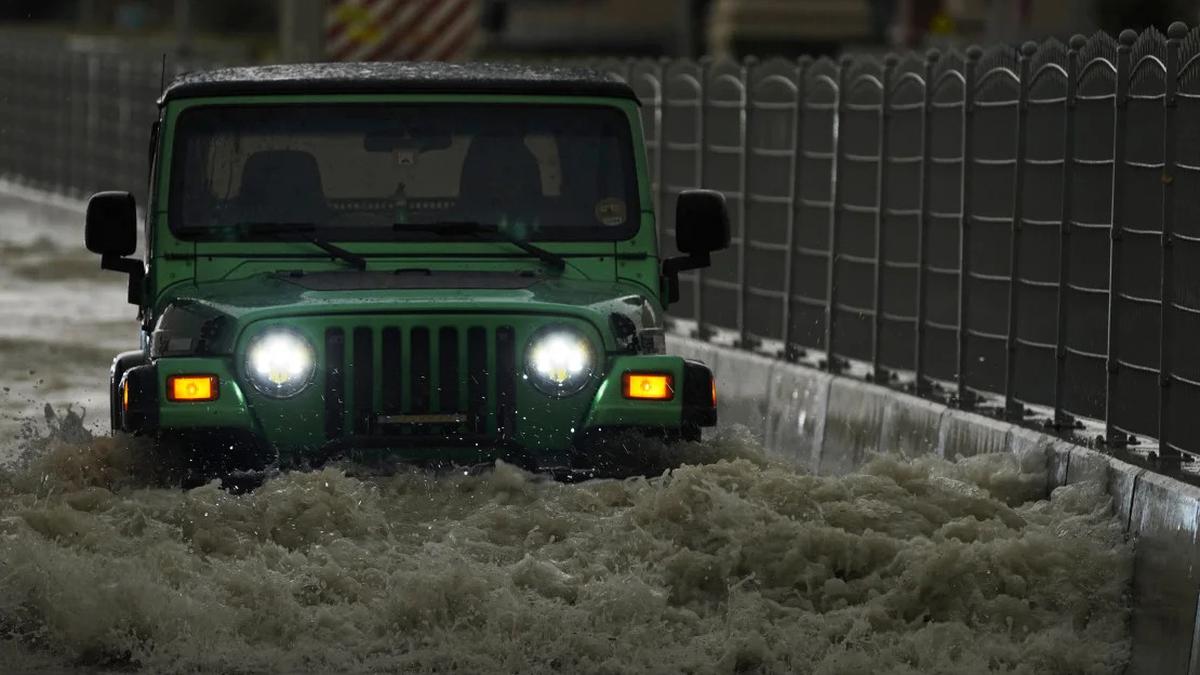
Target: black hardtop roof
(398, 78)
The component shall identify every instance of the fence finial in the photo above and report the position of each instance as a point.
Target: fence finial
(974, 52)
(1077, 42)
(1177, 30)
(1127, 37)
(932, 55)
(1029, 49)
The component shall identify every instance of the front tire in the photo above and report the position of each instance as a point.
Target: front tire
(122, 363)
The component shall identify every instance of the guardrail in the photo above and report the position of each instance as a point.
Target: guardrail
(1000, 229)
(1007, 228)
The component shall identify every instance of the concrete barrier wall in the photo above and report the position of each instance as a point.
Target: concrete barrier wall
(830, 425)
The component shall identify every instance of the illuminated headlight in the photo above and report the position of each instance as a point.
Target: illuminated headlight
(559, 361)
(280, 362)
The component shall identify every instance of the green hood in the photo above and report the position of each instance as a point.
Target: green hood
(219, 310)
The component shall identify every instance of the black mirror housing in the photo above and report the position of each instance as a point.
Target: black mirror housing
(111, 231)
(701, 227)
(701, 222)
(111, 224)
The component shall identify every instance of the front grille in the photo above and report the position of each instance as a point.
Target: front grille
(419, 381)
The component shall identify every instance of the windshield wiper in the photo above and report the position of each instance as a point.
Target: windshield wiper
(449, 228)
(278, 229)
(338, 252)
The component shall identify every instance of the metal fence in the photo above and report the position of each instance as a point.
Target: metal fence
(75, 118)
(1011, 225)
(1019, 226)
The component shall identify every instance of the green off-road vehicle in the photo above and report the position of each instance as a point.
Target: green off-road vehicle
(429, 262)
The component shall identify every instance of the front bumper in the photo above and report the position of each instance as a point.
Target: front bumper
(534, 428)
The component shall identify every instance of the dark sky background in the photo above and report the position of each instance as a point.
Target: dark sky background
(1116, 15)
(259, 16)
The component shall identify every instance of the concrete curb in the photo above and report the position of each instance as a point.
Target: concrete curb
(796, 411)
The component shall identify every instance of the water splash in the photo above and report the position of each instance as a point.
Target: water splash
(730, 564)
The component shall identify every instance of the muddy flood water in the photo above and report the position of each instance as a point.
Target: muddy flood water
(730, 563)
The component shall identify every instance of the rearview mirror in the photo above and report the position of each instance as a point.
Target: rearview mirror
(701, 222)
(701, 227)
(405, 140)
(111, 231)
(111, 224)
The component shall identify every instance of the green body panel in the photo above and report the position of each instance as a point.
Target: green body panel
(611, 409)
(268, 296)
(229, 411)
(247, 287)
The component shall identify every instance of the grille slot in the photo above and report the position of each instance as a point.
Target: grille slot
(391, 370)
(363, 367)
(506, 382)
(477, 380)
(419, 367)
(335, 382)
(448, 370)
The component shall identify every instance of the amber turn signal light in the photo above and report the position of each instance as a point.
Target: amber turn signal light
(649, 386)
(192, 388)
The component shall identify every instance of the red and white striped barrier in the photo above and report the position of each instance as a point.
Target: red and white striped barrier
(401, 30)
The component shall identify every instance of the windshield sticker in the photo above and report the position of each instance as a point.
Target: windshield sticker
(611, 211)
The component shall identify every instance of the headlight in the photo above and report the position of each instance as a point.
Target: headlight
(280, 362)
(559, 361)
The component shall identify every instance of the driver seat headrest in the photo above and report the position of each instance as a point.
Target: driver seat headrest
(282, 185)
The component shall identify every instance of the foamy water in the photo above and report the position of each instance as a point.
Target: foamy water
(728, 564)
(733, 566)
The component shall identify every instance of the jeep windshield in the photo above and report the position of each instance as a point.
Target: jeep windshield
(392, 172)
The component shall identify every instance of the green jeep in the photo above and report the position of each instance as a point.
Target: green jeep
(422, 261)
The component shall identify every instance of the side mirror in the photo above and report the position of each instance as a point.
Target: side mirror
(111, 224)
(701, 227)
(111, 231)
(701, 222)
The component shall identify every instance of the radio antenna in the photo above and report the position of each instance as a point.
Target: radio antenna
(162, 75)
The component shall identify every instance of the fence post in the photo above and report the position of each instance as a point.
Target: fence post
(1061, 419)
(878, 374)
(660, 106)
(702, 331)
(921, 385)
(966, 398)
(60, 116)
(1013, 409)
(1175, 33)
(791, 352)
(744, 339)
(1112, 437)
(92, 148)
(6, 119)
(832, 362)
